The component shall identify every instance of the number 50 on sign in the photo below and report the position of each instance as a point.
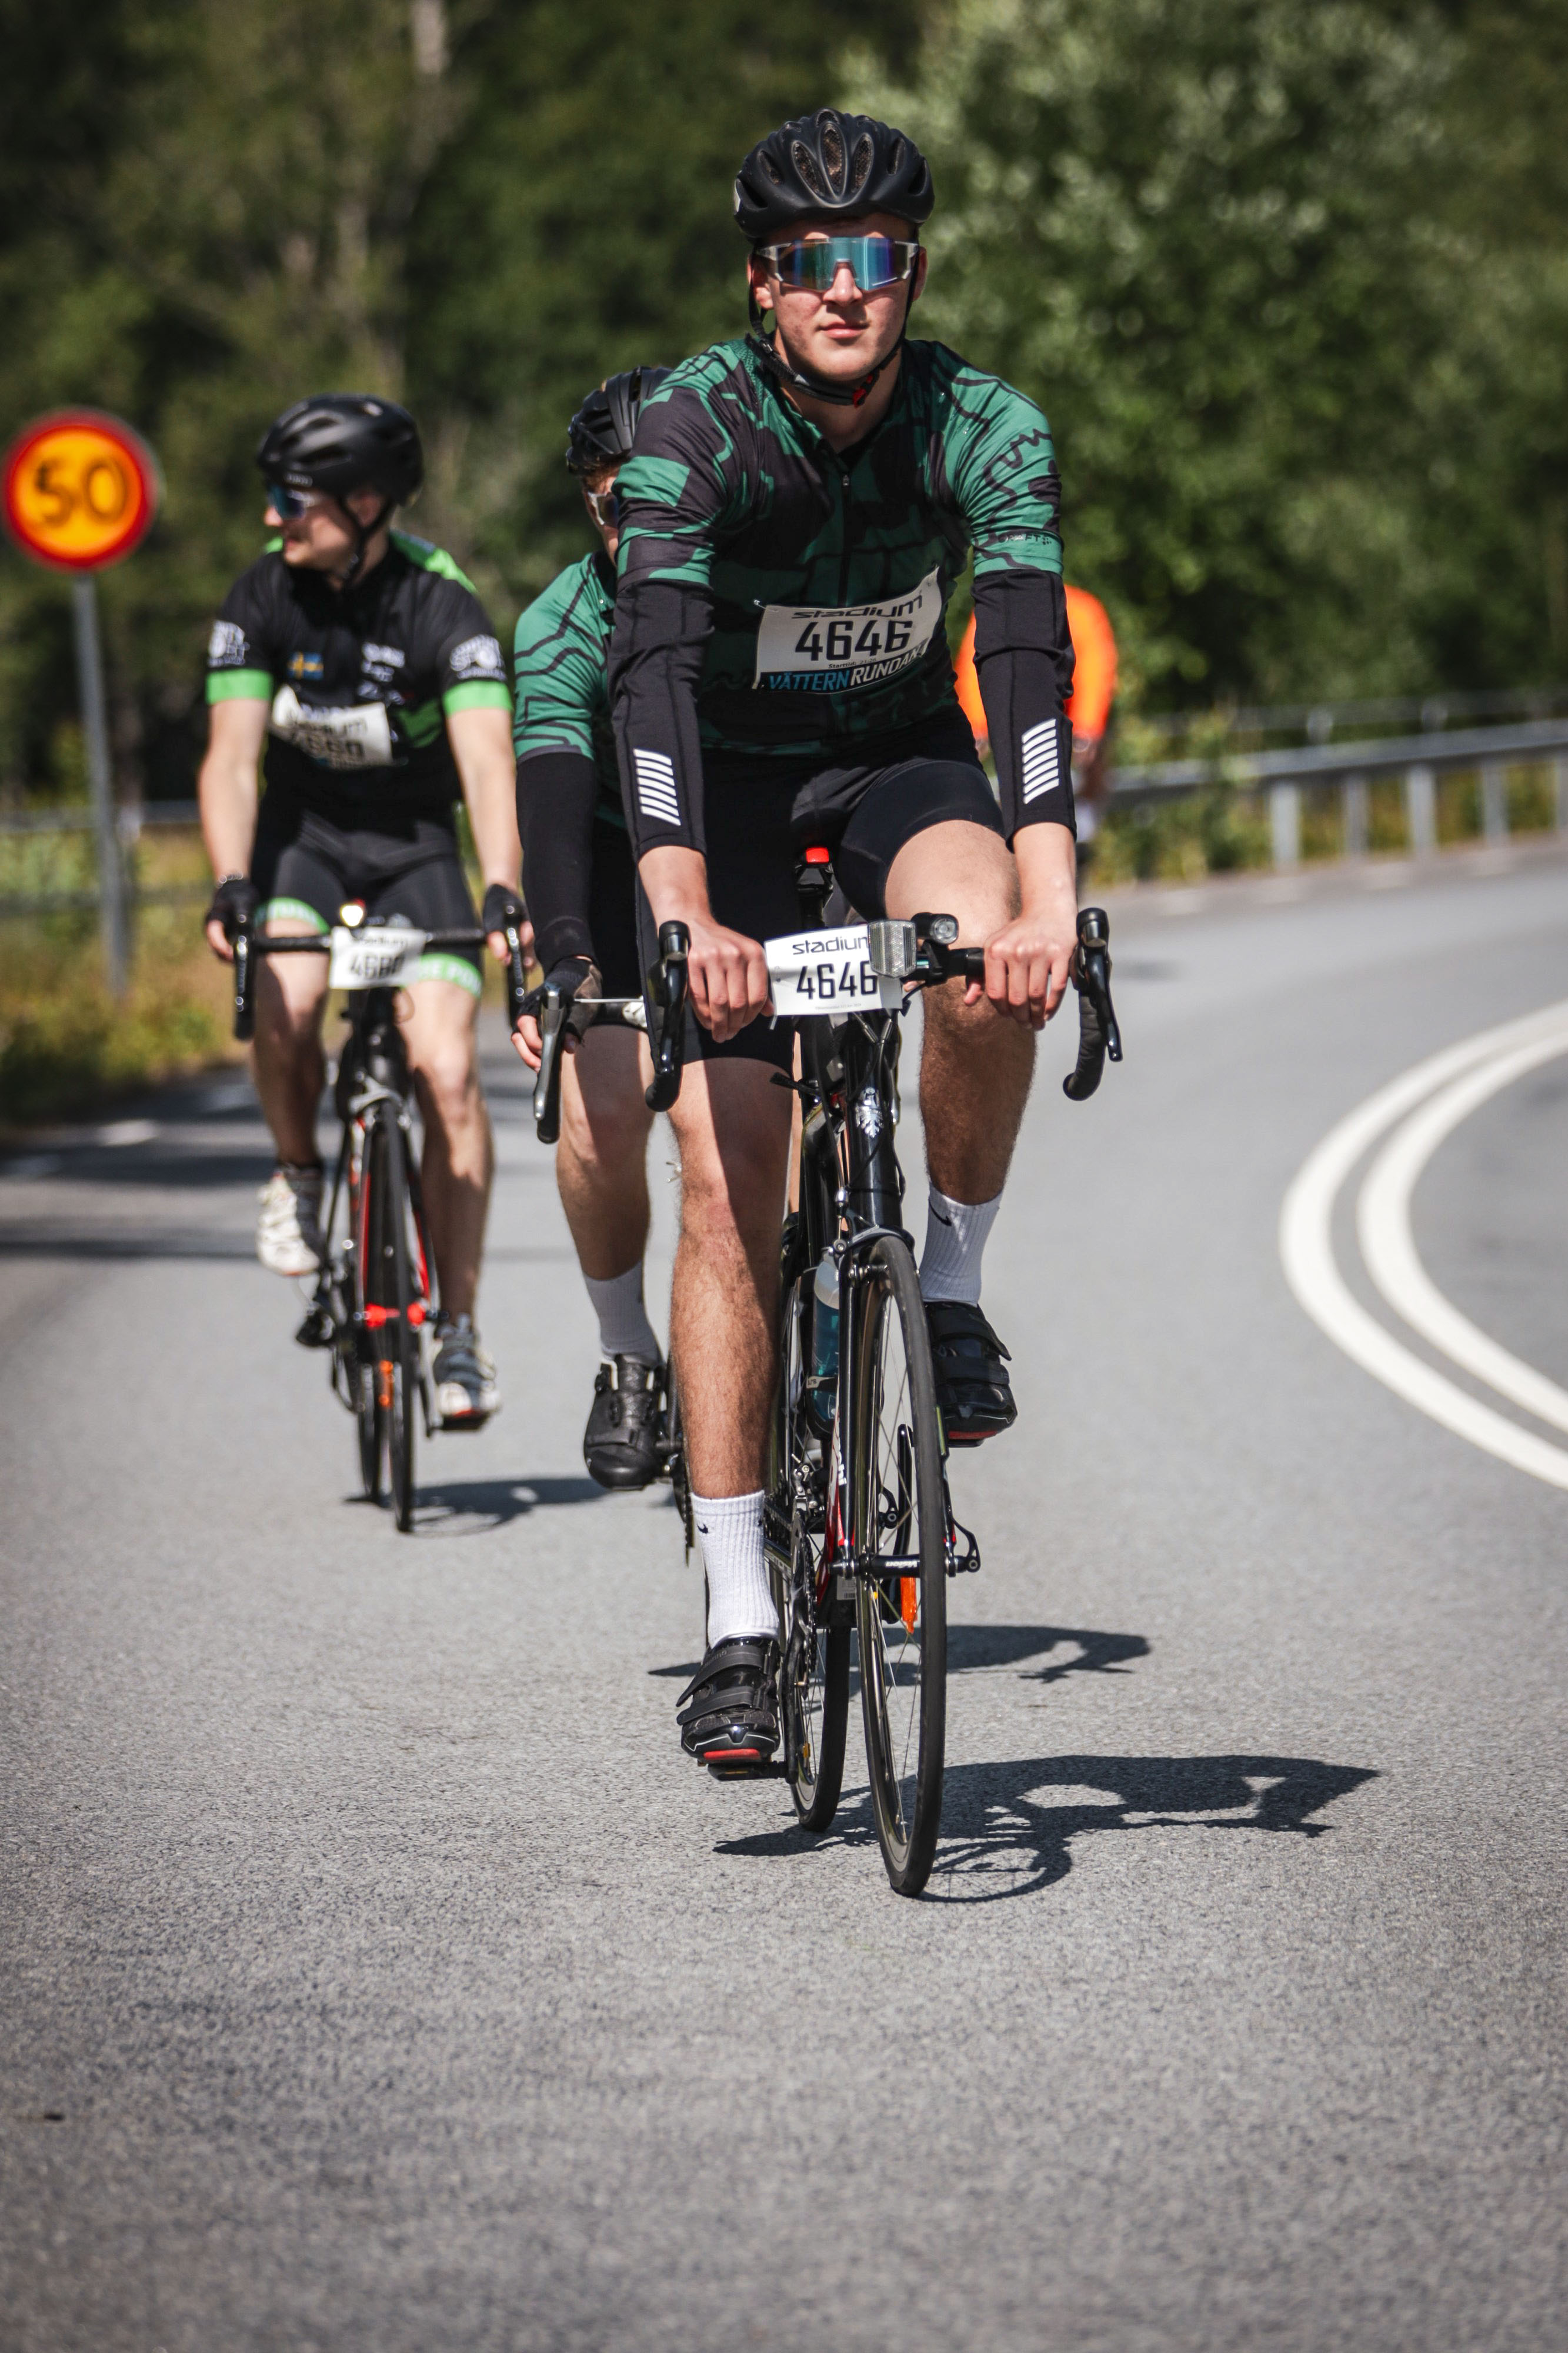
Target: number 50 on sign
(81, 489)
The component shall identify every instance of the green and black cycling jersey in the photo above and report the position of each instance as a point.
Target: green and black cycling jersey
(781, 604)
(567, 783)
(360, 681)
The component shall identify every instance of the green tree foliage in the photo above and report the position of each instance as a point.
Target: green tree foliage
(1258, 263)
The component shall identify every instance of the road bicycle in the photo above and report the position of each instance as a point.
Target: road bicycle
(858, 1527)
(660, 1014)
(371, 1304)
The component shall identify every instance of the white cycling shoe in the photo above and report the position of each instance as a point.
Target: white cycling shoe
(288, 1230)
(467, 1390)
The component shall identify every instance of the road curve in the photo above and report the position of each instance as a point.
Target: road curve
(373, 1971)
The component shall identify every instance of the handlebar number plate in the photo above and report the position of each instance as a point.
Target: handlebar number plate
(376, 956)
(828, 973)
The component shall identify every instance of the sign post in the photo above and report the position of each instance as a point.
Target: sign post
(80, 491)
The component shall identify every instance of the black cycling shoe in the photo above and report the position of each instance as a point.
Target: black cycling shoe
(972, 1385)
(620, 1445)
(732, 1722)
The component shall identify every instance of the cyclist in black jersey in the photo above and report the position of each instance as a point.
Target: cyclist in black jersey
(358, 664)
(798, 508)
(582, 890)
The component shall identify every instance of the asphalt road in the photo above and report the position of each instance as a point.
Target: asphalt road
(375, 1973)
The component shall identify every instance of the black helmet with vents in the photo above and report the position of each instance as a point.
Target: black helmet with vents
(832, 164)
(343, 441)
(601, 433)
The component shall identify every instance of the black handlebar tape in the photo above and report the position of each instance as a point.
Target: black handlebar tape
(554, 1006)
(244, 987)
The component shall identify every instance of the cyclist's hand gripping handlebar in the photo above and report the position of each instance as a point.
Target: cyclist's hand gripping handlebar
(664, 990)
(1098, 1032)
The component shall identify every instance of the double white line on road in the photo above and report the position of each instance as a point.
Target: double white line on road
(1423, 1107)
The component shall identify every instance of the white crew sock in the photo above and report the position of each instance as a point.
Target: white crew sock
(956, 1233)
(740, 1598)
(623, 1327)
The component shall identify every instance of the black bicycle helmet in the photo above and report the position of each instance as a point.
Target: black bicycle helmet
(828, 163)
(600, 432)
(343, 441)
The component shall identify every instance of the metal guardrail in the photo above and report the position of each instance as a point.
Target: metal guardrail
(1350, 767)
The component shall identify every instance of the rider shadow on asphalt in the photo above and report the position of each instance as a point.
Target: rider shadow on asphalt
(1007, 1826)
(477, 1507)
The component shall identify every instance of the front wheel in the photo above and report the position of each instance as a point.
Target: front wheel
(814, 1671)
(899, 1519)
(389, 1383)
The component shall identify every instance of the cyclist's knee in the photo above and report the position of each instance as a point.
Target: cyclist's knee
(448, 1078)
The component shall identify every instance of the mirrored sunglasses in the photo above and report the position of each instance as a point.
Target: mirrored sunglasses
(874, 262)
(605, 509)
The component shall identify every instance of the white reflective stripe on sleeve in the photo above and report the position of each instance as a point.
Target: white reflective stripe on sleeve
(1041, 754)
(656, 786)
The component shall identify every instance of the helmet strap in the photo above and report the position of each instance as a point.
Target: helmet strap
(768, 349)
(363, 534)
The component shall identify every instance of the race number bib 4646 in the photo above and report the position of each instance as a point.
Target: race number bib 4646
(357, 738)
(832, 650)
(828, 973)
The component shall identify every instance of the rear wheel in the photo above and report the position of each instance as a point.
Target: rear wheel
(898, 1517)
(814, 1674)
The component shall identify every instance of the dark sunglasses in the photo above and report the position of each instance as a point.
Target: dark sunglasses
(873, 262)
(605, 509)
(291, 504)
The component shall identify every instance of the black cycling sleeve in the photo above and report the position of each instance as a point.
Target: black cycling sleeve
(662, 629)
(556, 795)
(1024, 660)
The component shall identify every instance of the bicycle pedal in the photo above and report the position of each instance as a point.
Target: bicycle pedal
(316, 1331)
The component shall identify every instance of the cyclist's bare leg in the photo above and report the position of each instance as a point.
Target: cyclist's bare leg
(733, 1124)
(976, 1064)
(290, 994)
(600, 1164)
(440, 1030)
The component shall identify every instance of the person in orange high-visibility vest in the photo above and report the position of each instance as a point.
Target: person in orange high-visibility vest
(1088, 706)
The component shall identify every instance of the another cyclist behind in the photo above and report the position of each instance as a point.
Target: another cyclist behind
(1088, 707)
(792, 519)
(363, 662)
(582, 890)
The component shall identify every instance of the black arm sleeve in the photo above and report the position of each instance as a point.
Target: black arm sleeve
(1024, 660)
(662, 628)
(556, 795)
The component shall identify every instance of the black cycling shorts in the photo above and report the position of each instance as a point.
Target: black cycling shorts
(410, 867)
(758, 825)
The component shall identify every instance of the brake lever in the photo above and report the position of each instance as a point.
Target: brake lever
(555, 1006)
(665, 990)
(1099, 1031)
(244, 985)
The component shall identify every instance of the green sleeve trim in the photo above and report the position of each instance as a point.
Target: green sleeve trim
(278, 911)
(430, 558)
(239, 685)
(440, 967)
(486, 694)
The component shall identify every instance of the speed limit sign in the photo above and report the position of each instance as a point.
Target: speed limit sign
(80, 490)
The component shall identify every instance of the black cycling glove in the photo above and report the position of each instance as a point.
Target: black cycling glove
(573, 976)
(233, 902)
(502, 909)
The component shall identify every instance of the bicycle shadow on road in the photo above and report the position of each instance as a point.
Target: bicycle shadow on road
(1082, 1652)
(476, 1507)
(1007, 1827)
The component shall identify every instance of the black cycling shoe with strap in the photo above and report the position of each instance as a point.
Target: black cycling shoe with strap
(973, 1390)
(620, 1445)
(731, 1723)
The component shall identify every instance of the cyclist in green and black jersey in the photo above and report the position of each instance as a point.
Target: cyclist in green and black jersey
(363, 661)
(582, 890)
(796, 509)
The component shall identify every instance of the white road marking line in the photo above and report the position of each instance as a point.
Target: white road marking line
(1388, 1247)
(127, 1131)
(1306, 1250)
